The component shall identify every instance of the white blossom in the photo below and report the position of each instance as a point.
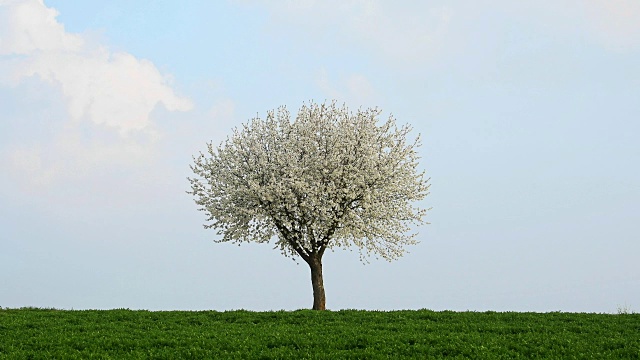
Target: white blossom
(329, 178)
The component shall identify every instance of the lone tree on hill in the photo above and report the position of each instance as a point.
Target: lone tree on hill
(330, 178)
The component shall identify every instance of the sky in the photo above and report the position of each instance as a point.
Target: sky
(528, 111)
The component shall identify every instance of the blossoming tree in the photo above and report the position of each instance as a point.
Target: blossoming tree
(329, 178)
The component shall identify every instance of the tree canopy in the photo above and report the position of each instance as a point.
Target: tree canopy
(329, 178)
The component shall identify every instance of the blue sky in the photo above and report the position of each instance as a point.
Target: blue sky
(528, 112)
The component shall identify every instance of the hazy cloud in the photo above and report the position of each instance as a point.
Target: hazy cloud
(419, 32)
(612, 24)
(356, 89)
(223, 110)
(615, 23)
(405, 34)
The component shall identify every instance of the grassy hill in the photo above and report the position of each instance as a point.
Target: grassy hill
(352, 334)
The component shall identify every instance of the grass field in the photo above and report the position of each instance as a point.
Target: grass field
(126, 334)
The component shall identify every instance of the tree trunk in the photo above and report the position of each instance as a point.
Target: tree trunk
(319, 300)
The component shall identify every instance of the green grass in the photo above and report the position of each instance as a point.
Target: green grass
(125, 334)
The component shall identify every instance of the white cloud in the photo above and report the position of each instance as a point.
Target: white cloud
(104, 87)
(28, 26)
(114, 89)
(108, 96)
